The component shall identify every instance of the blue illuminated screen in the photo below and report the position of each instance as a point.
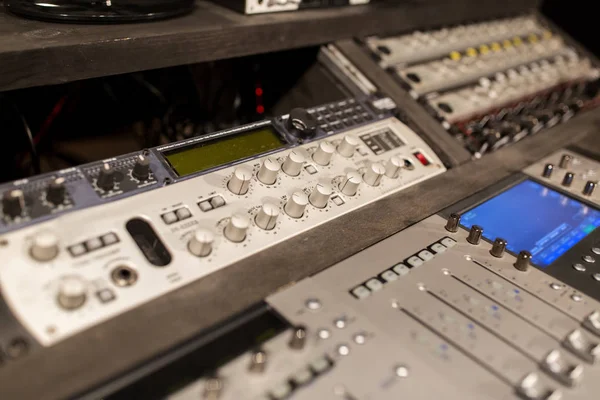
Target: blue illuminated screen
(532, 217)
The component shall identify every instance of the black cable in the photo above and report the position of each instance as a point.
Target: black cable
(35, 159)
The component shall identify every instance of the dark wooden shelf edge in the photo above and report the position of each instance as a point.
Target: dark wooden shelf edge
(34, 53)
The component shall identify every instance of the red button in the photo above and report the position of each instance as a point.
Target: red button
(421, 158)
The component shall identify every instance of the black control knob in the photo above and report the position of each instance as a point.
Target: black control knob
(141, 169)
(475, 234)
(498, 248)
(301, 124)
(589, 188)
(56, 192)
(13, 203)
(106, 178)
(298, 339)
(453, 223)
(565, 161)
(523, 261)
(548, 169)
(568, 179)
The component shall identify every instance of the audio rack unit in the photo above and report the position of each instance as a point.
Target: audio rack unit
(269, 6)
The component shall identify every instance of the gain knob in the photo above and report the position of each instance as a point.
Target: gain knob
(141, 168)
(323, 154)
(268, 171)
(475, 235)
(565, 161)
(56, 191)
(347, 146)
(294, 162)
(372, 176)
(589, 188)
(13, 203)
(453, 223)
(548, 169)
(498, 248)
(72, 292)
(296, 204)
(393, 166)
(106, 178)
(240, 180)
(349, 185)
(201, 242)
(320, 195)
(523, 261)
(267, 216)
(237, 227)
(44, 247)
(301, 124)
(568, 179)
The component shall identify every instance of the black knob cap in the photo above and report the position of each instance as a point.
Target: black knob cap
(298, 339)
(453, 223)
(589, 188)
(56, 191)
(568, 179)
(565, 161)
(475, 234)
(13, 203)
(548, 169)
(498, 248)
(523, 261)
(106, 178)
(301, 124)
(141, 169)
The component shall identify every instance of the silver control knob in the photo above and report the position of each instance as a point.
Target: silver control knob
(237, 227)
(498, 248)
(453, 223)
(320, 195)
(240, 180)
(293, 163)
(374, 173)
(72, 292)
(475, 235)
(565, 161)
(323, 154)
(268, 171)
(201, 242)
(347, 146)
(296, 204)
(349, 185)
(267, 216)
(393, 166)
(44, 246)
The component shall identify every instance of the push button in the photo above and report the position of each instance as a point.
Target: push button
(169, 218)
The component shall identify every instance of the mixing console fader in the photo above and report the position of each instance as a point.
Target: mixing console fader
(492, 83)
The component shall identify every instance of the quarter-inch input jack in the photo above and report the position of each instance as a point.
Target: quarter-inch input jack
(123, 276)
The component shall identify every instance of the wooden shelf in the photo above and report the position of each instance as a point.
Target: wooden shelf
(34, 53)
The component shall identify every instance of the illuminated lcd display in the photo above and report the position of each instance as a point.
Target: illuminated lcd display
(214, 153)
(533, 217)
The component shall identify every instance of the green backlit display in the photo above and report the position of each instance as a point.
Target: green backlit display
(218, 152)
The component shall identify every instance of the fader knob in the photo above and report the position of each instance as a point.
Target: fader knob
(589, 188)
(565, 161)
(320, 195)
(56, 191)
(201, 242)
(44, 246)
(13, 203)
(568, 179)
(237, 227)
(453, 223)
(301, 123)
(475, 234)
(372, 176)
(141, 168)
(548, 169)
(294, 162)
(106, 177)
(72, 292)
(498, 248)
(523, 261)
(347, 146)
(240, 180)
(393, 166)
(267, 216)
(323, 154)
(268, 171)
(296, 204)
(349, 185)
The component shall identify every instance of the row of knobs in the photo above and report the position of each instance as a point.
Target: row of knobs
(13, 202)
(565, 162)
(498, 247)
(239, 183)
(140, 171)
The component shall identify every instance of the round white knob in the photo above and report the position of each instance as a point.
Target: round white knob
(44, 246)
(268, 171)
(267, 216)
(293, 163)
(323, 154)
(296, 204)
(240, 180)
(72, 292)
(320, 195)
(392, 167)
(237, 227)
(347, 146)
(349, 185)
(201, 242)
(373, 174)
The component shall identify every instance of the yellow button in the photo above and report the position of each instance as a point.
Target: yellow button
(455, 55)
(471, 52)
(533, 38)
(484, 49)
(517, 41)
(496, 46)
(507, 44)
